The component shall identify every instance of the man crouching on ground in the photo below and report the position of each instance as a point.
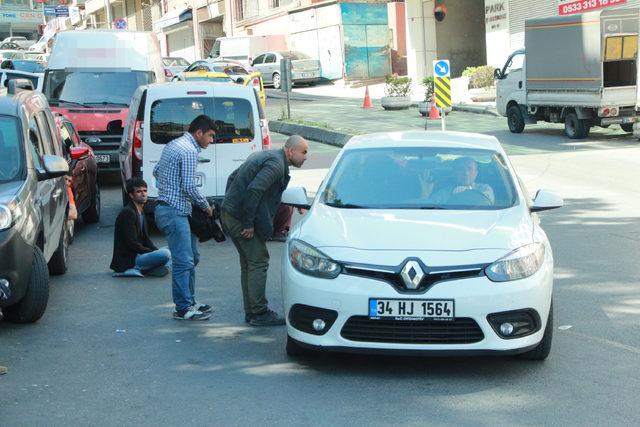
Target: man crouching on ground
(134, 254)
(252, 197)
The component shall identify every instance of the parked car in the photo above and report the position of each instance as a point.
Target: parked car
(162, 112)
(430, 244)
(303, 68)
(235, 70)
(20, 41)
(11, 54)
(82, 163)
(10, 46)
(173, 66)
(33, 203)
(244, 48)
(253, 79)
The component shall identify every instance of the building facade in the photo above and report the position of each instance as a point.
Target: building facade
(20, 18)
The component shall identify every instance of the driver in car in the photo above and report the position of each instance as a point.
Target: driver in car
(465, 172)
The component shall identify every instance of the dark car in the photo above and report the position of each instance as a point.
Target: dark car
(33, 203)
(84, 168)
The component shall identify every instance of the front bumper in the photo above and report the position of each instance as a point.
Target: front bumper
(16, 257)
(475, 299)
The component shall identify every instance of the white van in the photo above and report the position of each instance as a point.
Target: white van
(160, 113)
(245, 49)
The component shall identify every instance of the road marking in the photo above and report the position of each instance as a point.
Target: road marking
(605, 341)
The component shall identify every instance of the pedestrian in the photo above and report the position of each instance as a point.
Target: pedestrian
(252, 196)
(175, 176)
(134, 254)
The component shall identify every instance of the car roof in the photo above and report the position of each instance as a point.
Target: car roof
(10, 104)
(425, 139)
(208, 74)
(173, 88)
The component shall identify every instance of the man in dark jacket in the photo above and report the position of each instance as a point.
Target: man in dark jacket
(134, 254)
(252, 197)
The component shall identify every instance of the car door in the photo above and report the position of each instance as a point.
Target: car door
(511, 85)
(168, 114)
(258, 65)
(53, 146)
(238, 133)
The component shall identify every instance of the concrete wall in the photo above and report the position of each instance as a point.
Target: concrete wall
(397, 25)
(421, 38)
(461, 36)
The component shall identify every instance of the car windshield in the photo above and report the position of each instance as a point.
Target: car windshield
(11, 153)
(229, 69)
(91, 88)
(420, 178)
(292, 55)
(175, 62)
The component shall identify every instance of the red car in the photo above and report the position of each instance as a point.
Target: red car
(83, 165)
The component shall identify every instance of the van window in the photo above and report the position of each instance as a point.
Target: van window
(234, 118)
(37, 148)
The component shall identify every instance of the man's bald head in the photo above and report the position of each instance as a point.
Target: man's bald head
(296, 149)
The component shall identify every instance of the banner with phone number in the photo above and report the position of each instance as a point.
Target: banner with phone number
(569, 7)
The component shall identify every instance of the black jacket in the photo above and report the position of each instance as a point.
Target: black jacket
(129, 240)
(254, 190)
(205, 227)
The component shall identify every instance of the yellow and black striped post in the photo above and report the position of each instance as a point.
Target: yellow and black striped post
(442, 90)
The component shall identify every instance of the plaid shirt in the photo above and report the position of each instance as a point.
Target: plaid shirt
(175, 175)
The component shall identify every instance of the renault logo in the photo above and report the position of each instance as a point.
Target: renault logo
(411, 275)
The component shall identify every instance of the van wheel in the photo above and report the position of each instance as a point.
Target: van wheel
(58, 261)
(92, 214)
(515, 119)
(32, 306)
(627, 127)
(576, 128)
(276, 80)
(542, 350)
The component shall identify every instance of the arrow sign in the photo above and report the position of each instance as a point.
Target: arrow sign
(441, 68)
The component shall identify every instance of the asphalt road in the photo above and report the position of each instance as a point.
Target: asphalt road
(107, 351)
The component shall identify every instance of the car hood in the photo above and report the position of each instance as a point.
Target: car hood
(426, 230)
(9, 189)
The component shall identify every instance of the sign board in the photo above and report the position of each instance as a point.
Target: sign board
(496, 15)
(62, 11)
(442, 83)
(49, 10)
(120, 24)
(569, 7)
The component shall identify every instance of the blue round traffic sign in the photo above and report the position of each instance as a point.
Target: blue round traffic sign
(120, 24)
(441, 68)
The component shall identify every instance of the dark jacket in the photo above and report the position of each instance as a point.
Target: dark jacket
(254, 190)
(204, 226)
(129, 240)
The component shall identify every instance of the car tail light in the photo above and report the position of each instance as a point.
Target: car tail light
(168, 73)
(137, 140)
(613, 112)
(604, 112)
(266, 136)
(256, 83)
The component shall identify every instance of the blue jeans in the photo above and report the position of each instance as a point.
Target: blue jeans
(184, 254)
(155, 259)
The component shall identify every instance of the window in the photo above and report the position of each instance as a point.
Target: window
(234, 120)
(195, 65)
(259, 60)
(37, 148)
(46, 138)
(515, 63)
(270, 59)
(621, 48)
(11, 153)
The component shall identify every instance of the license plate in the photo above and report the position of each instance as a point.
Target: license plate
(199, 180)
(412, 309)
(628, 119)
(103, 158)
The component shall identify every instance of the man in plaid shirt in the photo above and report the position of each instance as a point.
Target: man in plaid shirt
(175, 176)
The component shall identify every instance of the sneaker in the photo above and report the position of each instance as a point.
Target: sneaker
(191, 314)
(248, 317)
(205, 308)
(268, 318)
(157, 272)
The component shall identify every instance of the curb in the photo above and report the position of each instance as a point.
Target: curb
(488, 110)
(339, 139)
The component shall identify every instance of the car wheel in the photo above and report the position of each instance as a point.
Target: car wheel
(542, 350)
(58, 261)
(296, 350)
(92, 214)
(515, 119)
(627, 127)
(32, 306)
(276, 80)
(575, 128)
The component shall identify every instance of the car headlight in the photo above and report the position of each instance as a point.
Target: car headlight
(521, 263)
(308, 260)
(5, 217)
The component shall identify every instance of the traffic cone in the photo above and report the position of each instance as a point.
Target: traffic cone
(367, 100)
(434, 113)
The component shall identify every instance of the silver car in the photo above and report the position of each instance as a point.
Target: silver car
(303, 68)
(174, 66)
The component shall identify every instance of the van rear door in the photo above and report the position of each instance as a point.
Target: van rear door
(238, 131)
(170, 110)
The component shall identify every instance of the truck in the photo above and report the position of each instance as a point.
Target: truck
(90, 79)
(245, 49)
(579, 70)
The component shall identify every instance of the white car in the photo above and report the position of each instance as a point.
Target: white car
(420, 242)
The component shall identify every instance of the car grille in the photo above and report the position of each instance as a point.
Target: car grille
(462, 330)
(108, 142)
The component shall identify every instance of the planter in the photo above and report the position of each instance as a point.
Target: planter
(424, 107)
(395, 102)
(483, 94)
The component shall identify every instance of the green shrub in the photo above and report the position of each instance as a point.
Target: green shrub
(428, 83)
(397, 86)
(481, 77)
(468, 72)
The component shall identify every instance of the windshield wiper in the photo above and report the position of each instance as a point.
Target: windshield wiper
(346, 205)
(64, 101)
(118, 104)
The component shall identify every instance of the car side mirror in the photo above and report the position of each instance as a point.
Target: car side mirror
(78, 153)
(546, 200)
(497, 74)
(296, 197)
(54, 167)
(240, 80)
